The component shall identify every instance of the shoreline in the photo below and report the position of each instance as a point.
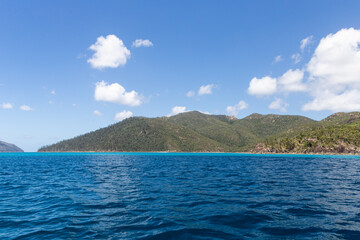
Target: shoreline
(176, 152)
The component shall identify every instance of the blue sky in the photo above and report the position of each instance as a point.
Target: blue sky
(54, 85)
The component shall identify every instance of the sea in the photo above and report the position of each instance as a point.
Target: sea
(178, 196)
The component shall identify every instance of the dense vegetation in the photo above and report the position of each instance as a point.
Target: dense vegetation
(185, 132)
(338, 133)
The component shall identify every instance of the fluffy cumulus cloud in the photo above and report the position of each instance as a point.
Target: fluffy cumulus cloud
(26, 108)
(206, 89)
(278, 104)
(262, 86)
(334, 71)
(123, 115)
(305, 42)
(110, 52)
(347, 101)
(97, 113)
(142, 43)
(332, 75)
(234, 110)
(116, 93)
(176, 110)
(6, 106)
(292, 81)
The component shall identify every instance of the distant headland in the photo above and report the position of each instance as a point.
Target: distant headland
(8, 147)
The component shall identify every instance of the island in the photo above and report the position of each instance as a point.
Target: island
(198, 132)
(8, 147)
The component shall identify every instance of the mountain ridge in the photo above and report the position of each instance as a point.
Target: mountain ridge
(186, 132)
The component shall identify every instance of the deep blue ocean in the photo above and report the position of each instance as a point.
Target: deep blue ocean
(178, 196)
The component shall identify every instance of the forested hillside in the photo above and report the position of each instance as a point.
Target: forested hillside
(185, 132)
(338, 133)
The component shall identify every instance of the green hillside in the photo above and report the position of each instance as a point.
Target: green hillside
(185, 132)
(338, 133)
(342, 118)
(262, 126)
(219, 128)
(139, 134)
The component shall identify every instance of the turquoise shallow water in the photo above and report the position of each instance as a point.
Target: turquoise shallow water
(178, 196)
(175, 154)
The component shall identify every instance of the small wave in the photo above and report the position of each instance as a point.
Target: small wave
(282, 231)
(307, 212)
(192, 233)
(242, 220)
(95, 196)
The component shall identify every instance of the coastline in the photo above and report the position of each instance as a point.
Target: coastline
(188, 153)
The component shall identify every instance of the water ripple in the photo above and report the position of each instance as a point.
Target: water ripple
(194, 196)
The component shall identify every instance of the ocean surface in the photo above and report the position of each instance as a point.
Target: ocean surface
(178, 196)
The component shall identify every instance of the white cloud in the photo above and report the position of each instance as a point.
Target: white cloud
(97, 113)
(234, 110)
(110, 52)
(305, 42)
(142, 43)
(291, 81)
(206, 89)
(190, 94)
(334, 71)
(296, 57)
(278, 59)
(26, 108)
(176, 110)
(116, 93)
(278, 104)
(206, 112)
(53, 92)
(6, 106)
(262, 86)
(347, 101)
(123, 115)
